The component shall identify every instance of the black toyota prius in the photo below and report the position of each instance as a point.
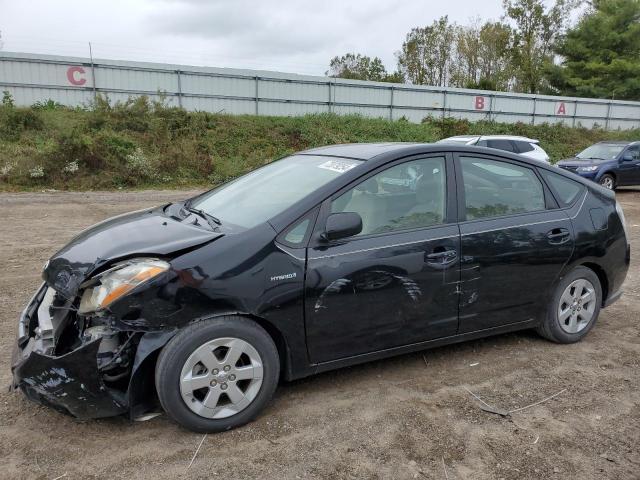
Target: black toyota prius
(326, 258)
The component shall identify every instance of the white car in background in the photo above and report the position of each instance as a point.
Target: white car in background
(529, 147)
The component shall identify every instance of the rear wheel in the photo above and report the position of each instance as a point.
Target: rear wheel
(217, 374)
(574, 308)
(608, 181)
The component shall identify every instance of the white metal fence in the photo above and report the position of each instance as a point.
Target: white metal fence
(75, 81)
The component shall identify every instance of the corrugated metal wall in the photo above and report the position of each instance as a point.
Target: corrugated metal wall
(75, 81)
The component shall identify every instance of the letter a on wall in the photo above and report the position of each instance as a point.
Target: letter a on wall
(561, 108)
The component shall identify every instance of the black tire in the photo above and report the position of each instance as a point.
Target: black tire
(608, 181)
(179, 349)
(550, 328)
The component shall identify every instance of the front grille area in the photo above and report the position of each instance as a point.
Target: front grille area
(570, 169)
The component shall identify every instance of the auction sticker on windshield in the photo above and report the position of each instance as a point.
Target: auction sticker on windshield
(339, 166)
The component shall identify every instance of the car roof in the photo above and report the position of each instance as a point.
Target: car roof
(366, 151)
(490, 137)
(509, 137)
(359, 151)
(617, 142)
(459, 138)
(375, 151)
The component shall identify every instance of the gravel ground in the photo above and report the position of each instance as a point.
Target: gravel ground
(408, 417)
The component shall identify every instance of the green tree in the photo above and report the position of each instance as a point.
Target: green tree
(426, 55)
(361, 67)
(536, 28)
(482, 58)
(601, 55)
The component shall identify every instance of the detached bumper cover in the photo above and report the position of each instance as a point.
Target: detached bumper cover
(69, 383)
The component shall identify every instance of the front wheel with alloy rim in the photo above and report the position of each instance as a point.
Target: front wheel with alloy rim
(217, 374)
(607, 181)
(574, 308)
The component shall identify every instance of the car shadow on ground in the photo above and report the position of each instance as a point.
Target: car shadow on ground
(459, 354)
(419, 366)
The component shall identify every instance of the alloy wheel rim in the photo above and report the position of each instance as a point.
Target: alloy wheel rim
(607, 182)
(577, 306)
(221, 377)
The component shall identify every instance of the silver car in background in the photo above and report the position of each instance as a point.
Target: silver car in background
(529, 147)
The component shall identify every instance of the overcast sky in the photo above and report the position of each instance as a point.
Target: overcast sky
(286, 35)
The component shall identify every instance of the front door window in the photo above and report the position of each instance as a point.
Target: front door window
(406, 196)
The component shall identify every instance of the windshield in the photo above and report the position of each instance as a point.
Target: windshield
(260, 195)
(601, 151)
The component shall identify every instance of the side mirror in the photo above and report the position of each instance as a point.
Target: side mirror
(342, 225)
(627, 157)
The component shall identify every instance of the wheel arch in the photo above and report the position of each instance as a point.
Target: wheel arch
(610, 172)
(142, 393)
(272, 330)
(602, 277)
(278, 338)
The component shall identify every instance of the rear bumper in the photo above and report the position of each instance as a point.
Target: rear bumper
(616, 281)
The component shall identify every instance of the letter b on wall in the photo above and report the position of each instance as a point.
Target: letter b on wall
(480, 103)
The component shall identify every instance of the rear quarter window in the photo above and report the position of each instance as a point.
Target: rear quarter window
(564, 189)
(505, 145)
(523, 147)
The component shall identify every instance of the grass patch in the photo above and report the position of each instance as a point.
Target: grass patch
(145, 144)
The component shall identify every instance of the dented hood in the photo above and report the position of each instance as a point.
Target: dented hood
(145, 232)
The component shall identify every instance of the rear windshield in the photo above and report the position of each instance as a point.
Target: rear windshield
(264, 193)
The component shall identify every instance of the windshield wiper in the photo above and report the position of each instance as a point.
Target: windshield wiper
(213, 222)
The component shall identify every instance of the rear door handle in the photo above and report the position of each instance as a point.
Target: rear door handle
(558, 236)
(441, 256)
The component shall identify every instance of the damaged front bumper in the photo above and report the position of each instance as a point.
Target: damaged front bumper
(70, 382)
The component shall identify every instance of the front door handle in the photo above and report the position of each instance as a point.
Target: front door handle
(441, 256)
(558, 236)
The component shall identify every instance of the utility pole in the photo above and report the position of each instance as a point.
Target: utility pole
(93, 73)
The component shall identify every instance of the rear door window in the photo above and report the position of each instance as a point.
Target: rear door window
(493, 188)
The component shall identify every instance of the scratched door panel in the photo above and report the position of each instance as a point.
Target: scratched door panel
(508, 267)
(513, 242)
(381, 292)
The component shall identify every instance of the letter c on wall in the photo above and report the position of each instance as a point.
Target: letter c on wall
(75, 75)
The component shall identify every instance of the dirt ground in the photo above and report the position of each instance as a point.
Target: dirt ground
(408, 417)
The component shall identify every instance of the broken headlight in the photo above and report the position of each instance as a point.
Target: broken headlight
(118, 281)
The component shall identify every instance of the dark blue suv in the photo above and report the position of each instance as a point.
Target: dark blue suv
(611, 164)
